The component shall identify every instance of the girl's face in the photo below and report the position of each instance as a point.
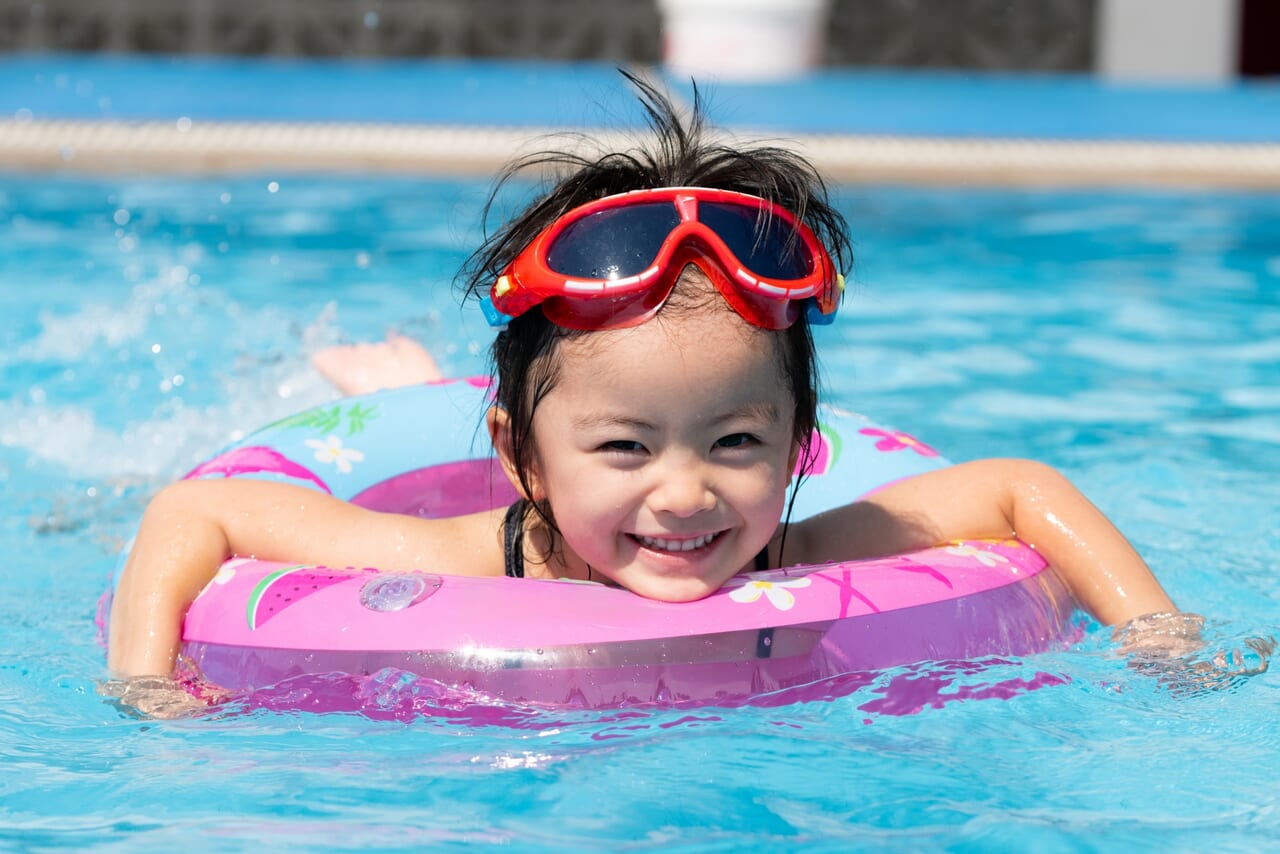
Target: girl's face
(665, 451)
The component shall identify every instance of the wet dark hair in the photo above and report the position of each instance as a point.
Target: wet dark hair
(678, 152)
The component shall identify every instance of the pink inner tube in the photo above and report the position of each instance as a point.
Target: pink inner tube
(550, 643)
(567, 644)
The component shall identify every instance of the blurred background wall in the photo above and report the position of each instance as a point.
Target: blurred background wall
(1118, 38)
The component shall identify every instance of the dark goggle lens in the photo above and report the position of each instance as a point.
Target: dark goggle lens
(767, 246)
(613, 244)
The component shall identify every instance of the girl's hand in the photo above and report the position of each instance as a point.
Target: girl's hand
(1165, 634)
(153, 697)
(362, 368)
(1170, 647)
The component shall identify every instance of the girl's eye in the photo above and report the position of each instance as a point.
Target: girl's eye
(626, 446)
(735, 440)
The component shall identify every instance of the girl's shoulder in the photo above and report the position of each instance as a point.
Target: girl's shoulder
(469, 544)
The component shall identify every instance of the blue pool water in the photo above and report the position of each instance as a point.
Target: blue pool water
(1133, 340)
(489, 93)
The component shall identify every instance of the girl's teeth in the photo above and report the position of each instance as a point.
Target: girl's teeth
(660, 544)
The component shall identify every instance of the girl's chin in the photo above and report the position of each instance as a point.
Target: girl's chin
(672, 587)
(666, 592)
(676, 576)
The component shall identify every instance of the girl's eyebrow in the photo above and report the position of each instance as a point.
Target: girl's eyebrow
(599, 420)
(761, 411)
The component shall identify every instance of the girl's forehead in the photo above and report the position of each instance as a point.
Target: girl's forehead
(685, 338)
(688, 362)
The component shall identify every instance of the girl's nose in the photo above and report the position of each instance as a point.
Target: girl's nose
(683, 491)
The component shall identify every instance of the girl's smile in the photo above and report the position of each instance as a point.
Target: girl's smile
(664, 451)
(687, 544)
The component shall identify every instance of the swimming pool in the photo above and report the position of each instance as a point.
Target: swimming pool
(1131, 339)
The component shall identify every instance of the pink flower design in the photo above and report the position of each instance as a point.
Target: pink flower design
(896, 440)
(255, 458)
(821, 456)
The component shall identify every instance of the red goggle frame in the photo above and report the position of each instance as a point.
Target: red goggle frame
(613, 262)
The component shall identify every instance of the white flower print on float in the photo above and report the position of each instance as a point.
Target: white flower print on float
(776, 592)
(330, 450)
(982, 556)
(226, 573)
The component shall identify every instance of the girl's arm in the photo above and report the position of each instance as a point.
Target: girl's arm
(191, 527)
(997, 499)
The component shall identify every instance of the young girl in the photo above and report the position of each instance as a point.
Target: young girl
(655, 387)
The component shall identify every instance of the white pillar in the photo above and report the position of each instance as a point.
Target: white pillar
(742, 39)
(1168, 40)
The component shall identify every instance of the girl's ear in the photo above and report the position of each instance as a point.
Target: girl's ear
(792, 460)
(499, 424)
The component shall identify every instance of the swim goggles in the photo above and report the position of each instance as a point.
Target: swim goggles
(613, 262)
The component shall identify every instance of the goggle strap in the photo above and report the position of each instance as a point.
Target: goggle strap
(813, 311)
(496, 318)
(813, 308)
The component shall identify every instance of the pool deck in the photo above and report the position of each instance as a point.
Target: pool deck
(131, 113)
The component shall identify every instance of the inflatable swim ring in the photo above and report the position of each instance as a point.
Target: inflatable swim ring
(580, 644)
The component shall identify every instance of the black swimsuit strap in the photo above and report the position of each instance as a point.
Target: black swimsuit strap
(513, 539)
(764, 637)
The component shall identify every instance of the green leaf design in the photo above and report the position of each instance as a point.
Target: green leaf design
(323, 419)
(328, 419)
(833, 442)
(358, 416)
